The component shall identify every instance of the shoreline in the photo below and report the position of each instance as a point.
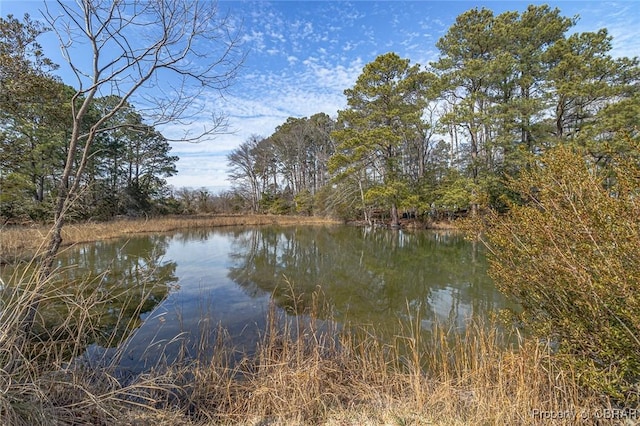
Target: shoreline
(299, 374)
(21, 242)
(24, 242)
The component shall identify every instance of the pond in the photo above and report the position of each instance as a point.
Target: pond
(197, 280)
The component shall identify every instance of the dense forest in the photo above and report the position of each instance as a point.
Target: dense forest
(434, 141)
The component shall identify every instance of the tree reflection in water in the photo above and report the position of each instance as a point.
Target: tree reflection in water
(100, 291)
(366, 276)
(229, 276)
(133, 276)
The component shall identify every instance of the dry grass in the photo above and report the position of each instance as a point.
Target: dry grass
(305, 374)
(42, 378)
(22, 242)
(302, 372)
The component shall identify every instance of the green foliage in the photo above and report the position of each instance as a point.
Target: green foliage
(15, 191)
(569, 255)
(517, 83)
(384, 112)
(455, 193)
(304, 203)
(33, 108)
(125, 167)
(128, 164)
(385, 194)
(276, 203)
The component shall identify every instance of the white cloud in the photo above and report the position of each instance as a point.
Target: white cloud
(305, 30)
(261, 103)
(256, 38)
(619, 18)
(278, 36)
(206, 171)
(300, 67)
(348, 46)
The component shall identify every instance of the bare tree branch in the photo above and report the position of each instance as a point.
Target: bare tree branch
(165, 54)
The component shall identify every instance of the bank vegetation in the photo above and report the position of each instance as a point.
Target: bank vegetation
(23, 242)
(300, 372)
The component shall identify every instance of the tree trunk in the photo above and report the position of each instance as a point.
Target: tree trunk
(367, 217)
(66, 193)
(395, 220)
(46, 266)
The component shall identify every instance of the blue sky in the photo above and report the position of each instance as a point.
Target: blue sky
(303, 55)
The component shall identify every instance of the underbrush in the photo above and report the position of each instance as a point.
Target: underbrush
(302, 371)
(567, 253)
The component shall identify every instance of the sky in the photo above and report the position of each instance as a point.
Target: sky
(302, 55)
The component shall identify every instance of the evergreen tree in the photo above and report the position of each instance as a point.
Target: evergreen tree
(384, 112)
(33, 121)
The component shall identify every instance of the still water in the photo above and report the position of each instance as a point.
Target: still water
(194, 281)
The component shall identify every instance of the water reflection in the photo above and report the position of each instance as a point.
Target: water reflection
(133, 275)
(195, 280)
(119, 281)
(366, 276)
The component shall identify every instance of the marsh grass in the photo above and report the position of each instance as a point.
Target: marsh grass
(309, 372)
(302, 371)
(43, 378)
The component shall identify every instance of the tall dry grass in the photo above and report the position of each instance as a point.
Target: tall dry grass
(303, 371)
(22, 242)
(44, 378)
(308, 373)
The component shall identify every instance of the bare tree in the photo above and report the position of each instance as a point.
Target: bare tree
(243, 170)
(162, 55)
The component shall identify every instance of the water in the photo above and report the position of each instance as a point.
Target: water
(198, 280)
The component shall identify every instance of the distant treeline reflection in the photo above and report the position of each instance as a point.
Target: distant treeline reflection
(365, 275)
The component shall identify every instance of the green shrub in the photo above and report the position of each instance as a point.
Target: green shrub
(570, 255)
(304, 203)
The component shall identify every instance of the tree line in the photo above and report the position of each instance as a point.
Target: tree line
(441, 140)
(125, 165)
(92, 149)
(428, 141)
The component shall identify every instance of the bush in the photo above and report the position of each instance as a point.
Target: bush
(304, 202)
(278, 203)
(570, 255)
